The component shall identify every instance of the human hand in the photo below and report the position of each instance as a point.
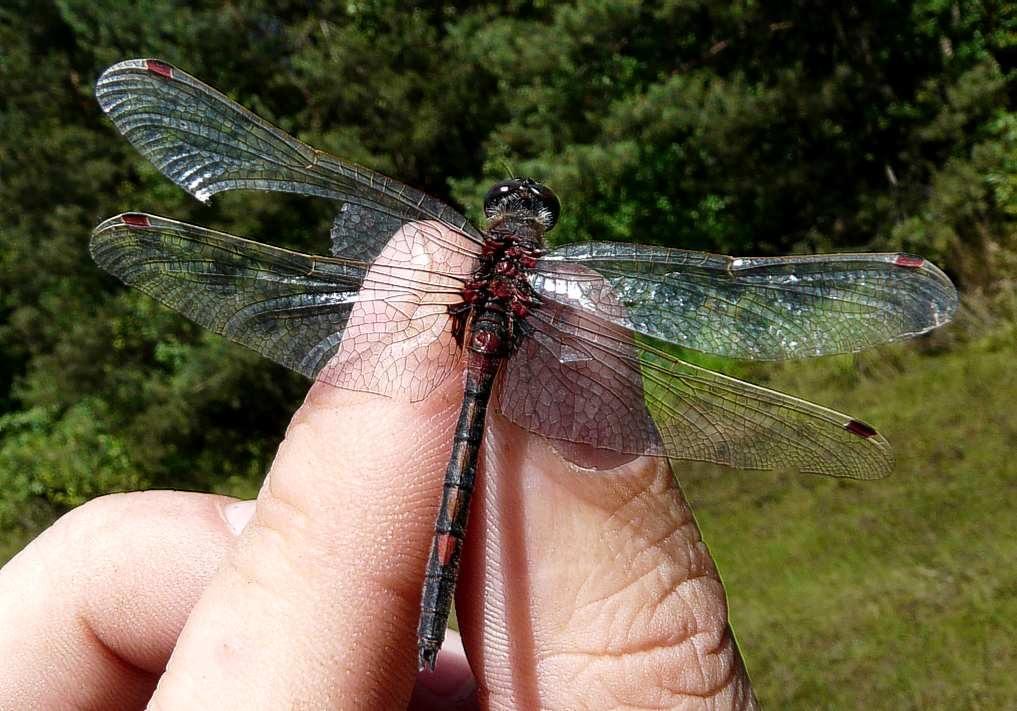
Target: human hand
(578, 589)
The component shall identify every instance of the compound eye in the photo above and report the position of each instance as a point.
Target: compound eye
(550, 203)
(498, 193)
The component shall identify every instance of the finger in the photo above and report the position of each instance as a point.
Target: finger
(588, 589)
(114, 582)
(317, 606)
(91, 609)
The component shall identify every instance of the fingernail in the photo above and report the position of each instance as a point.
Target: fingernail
(237, 515)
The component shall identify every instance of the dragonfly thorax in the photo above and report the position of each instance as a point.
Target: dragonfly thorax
(500, 283)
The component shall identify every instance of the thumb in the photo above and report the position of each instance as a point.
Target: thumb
(587, 588)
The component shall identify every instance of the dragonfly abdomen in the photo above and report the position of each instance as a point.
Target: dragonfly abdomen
(487, 349)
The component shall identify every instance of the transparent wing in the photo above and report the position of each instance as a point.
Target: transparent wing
(383, 330)
(581, 379)
(759, 308)
(206, 143)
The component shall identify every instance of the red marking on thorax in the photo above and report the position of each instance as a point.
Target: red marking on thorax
(857, 427)
(486, 342)
(446, 547)
(133, 219)
(908, 261)
(472, 293)
(500, 290)
(506, 269)
(160, 68)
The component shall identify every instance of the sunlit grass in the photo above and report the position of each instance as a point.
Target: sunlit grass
(898, 593)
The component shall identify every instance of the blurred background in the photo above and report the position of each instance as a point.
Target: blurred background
(737, 127)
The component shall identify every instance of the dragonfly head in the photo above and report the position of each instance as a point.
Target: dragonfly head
(523, 196)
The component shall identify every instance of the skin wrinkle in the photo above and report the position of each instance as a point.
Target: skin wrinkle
(683, 593)
(618, 481)
(595, 684)
(703, 686)
(671, 693)
(653, 609)
(668, 564)
(273, 515)
(646, 649)
(690, 642)
(119, 667)
(685, 644)
(680, 562)
(630, 532)
(652, 548)
(630, 584)
(722, 652)
(95, 532)
(736, 680)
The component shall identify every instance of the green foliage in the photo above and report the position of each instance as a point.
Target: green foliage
(739, 127)
(752, 128)
(68, 458)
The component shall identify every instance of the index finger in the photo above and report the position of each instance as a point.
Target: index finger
(317, 606)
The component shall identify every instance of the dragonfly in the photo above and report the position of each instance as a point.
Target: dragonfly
(578, 344)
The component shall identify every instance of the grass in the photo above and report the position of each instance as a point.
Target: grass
(899, 593)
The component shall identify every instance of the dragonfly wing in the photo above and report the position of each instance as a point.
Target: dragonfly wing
(759, 308)
(207, 143)
(352, 222)
(581, 379)
(569, 383)
(379, 327)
